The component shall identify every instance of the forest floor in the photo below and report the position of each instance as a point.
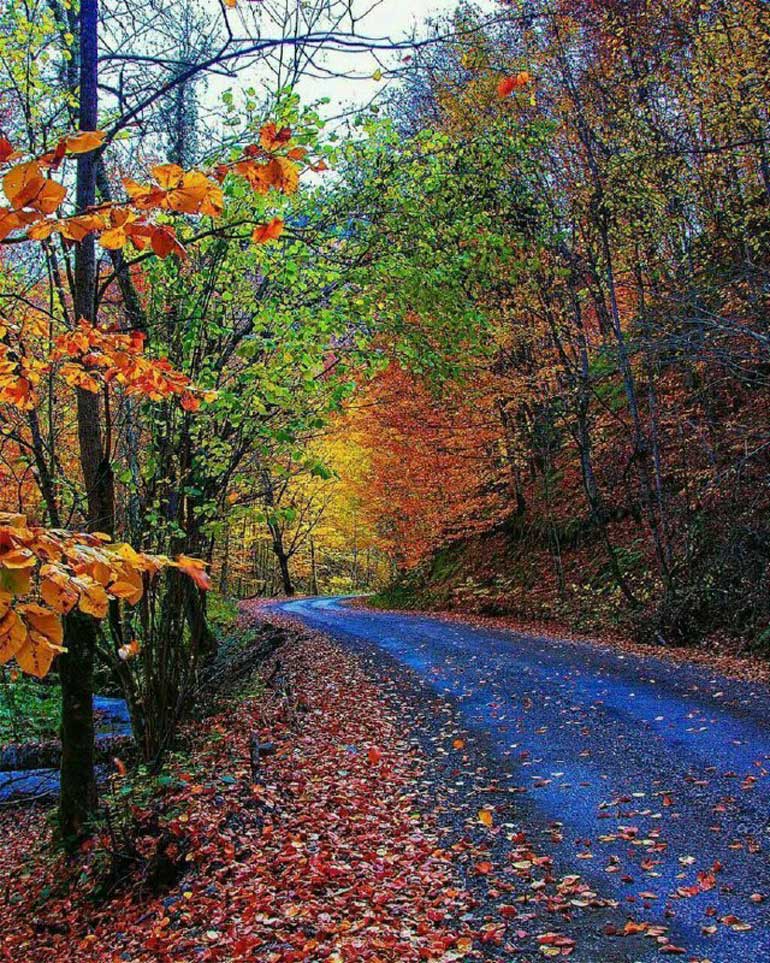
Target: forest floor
(334, 852)
(390, 826)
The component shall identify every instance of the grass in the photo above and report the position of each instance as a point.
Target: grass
(29, 709)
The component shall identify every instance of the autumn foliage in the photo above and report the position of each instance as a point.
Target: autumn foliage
(65, 570)
(596, 187)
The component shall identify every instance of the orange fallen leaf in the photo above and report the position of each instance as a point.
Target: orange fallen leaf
(486, 818)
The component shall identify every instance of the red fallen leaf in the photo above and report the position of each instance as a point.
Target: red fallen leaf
(492, 932)
(374, 755)
(506, 87)
(707, 881)
(673, 950)
(687, 891)
(483, 868)
(508, 912)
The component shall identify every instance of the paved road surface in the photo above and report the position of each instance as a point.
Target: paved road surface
(658, 772)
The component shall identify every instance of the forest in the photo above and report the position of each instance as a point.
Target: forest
(459, 309)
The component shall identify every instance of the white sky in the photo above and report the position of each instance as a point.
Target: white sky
(394, 20)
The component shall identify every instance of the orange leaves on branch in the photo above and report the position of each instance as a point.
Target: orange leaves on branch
(279, 173)
(196, 570)
(272, 139)
(34, 197)
(93, 357)
(90, 358)
(507, 85)
(26, 186)
(65, 570)
(11, 220)
(57, 590)
(186, 192)
(19, 376)
(286, 175)
(6, 150)
(71, 228)
(264, 233)
(123, 225)
(163, 241)
(43, 639)
(84, 141)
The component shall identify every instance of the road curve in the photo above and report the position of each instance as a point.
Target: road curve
(658, 771)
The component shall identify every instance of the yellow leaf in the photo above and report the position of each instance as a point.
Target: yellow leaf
(57, 591)
(12, 635)
(35, 657)
(84, 141)
(93, 598)
(486, 818)
(43, 622)
(15, 581)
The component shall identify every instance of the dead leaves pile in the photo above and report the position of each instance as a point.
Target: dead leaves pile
(328, 858)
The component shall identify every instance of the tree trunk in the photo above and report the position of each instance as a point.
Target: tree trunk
(313, 569)
(283, 565)
(78, 798)
(78, 784)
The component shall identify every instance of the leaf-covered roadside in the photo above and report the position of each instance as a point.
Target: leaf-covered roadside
(331, 857)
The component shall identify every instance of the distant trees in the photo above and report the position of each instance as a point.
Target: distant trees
(610, 219)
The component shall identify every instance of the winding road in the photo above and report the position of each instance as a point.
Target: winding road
(658, 772)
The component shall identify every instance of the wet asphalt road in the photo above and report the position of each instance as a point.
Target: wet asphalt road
(659, 772)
